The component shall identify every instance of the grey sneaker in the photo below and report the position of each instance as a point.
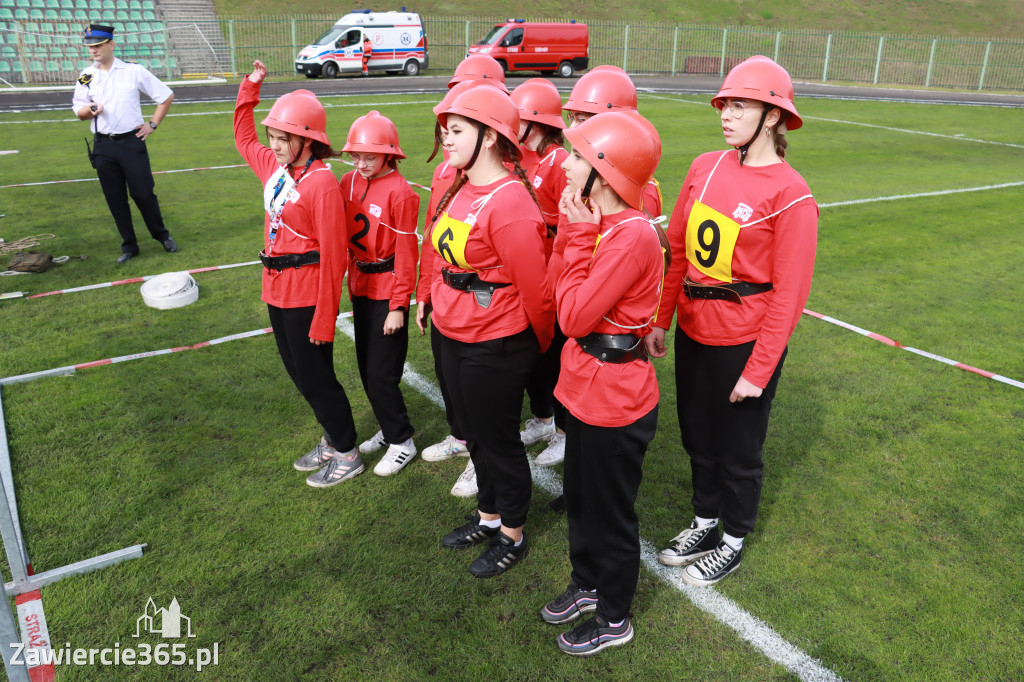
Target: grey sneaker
(537, 430)
(317, 458)
(690, 545)
(713, 567)
(395, 458)
(570, 605)
(466, 485)
(449, 447)
(554, 453)
(591, 636)
(341, 467)
(373, 443)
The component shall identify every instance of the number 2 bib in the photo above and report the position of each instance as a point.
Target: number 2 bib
(710, 241)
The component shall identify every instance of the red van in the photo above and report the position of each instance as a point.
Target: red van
(520, 45)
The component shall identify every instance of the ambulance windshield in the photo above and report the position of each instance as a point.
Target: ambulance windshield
(331, 35)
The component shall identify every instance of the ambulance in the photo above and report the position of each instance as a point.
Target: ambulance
(550, 48)
(399, 45)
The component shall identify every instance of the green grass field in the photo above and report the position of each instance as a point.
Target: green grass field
(887, 545)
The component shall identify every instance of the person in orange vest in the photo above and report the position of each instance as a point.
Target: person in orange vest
(367, 53)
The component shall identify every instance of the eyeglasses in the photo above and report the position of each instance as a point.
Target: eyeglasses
(736, 108)
(576, 117)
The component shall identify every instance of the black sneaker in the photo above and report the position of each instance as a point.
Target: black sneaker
(572, 604)
(712, 568)
(690, 545)
(501, 555)
(589, 637)
(469, 534)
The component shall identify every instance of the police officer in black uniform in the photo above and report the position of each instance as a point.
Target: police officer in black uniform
(107, 95)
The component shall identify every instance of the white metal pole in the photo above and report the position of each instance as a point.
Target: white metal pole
(828, 52)
(931, 63)
(878, 59)
(984, 65)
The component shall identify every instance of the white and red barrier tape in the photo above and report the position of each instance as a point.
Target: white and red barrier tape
(35, 635)
(136, 280)
(896, 344)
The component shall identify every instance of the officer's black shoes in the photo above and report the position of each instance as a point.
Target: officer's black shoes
(125, 256)
(170, 246)
(501, 555)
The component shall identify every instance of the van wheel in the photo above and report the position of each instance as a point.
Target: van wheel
(565, 69)
(391, 72)
(503, 64)
(330, 70)
(412, 68)
(310, 75)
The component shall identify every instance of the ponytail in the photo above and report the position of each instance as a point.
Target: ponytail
(453, 189)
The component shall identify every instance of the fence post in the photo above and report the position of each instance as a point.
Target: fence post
(295, 42)
(878, 59)
(465, 48)
(984, 65)
(828, 53)
(231, 40)
(675, 44)
(625, 47)
(721, 63)
(931, 62)
(778, 41)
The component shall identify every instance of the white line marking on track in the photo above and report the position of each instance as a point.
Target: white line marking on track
(750, 628)
(937, 193)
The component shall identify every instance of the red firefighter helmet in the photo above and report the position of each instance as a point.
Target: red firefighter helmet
(624, 149)
(538, 100)
(479, 67)
(761, 79)
(489, 106)
(602, 89)
(299, 113)
(373, 134)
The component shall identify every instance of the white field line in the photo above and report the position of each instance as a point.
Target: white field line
(937, 193)
(229, 112)
(754, 630)
(909, 131)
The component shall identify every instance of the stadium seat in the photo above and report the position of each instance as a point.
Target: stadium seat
(148, 15)
(21, 14)
(38, 3)
(67, 4)
(108, 4)
(36, 14)
(118, 27)
(31, 27)
(67, 15)
(35, 66)
(109, 15)
(145, 26)
(131, 38)
(28, 39)
(146, 38)
(129, 51)
(148, 4)
(5, 69)
(50, 14)
(81, 4)
(131, 26)
(45, 40)
(11, 3)
(52, 68)
(8, 53)
(122, 5)
(67, 65)
(53, 3)
(145, 52)
(46, 28)
(81, 15)
(135, 4)
(170, 63)
(155, 64)
(158, 26)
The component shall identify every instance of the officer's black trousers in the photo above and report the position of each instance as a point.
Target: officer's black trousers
(123, 168)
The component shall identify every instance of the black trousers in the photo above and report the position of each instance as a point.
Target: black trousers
(603, 469)
(724, 440)
(486, 381)
(541, 387)
(449, 411)
(123, 168)
(381, 360)
(311, 368)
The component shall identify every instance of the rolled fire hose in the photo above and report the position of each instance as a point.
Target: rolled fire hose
(170, 290)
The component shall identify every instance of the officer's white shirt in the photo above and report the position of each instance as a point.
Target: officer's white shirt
(118, 91)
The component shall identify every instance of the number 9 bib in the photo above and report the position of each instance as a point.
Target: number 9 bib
(449, 239)
(710, 241)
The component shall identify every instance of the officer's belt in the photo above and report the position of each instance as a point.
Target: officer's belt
(117, 136)
(724, 292)
(289, 260)
(614, 348)
(469, 281)
(377, 267)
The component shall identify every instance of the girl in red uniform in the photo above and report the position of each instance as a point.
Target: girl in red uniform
(601, 90)
(304, 261)
(474, 70)
(607, 297)
(540, 137)
(381, 214)
(493, 313)
(743, 233)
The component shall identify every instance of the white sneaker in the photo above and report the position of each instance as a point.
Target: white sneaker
(395, 458)
(373, 443)
(537, 430)
(554, 453)
(449, 447)
(466, 485)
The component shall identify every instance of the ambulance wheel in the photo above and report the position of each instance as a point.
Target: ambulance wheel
(503, 65)
(565, 69)
(412, 68)
(330, 70)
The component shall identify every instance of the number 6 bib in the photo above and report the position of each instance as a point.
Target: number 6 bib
(710, 241)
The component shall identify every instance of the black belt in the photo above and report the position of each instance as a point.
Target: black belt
(117, 136)
(724, 292)
(470, 281)
(377, 267)
(289, 260)
(617, 349)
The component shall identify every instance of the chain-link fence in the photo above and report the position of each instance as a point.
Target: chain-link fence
(903, 60)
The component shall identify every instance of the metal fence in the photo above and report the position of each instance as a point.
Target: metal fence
(901, 60)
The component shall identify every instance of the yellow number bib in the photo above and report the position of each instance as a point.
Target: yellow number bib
(449, 239)
(710, 240)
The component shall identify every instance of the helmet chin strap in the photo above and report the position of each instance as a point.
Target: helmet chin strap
(589, 184)
(526, 133)
(479, 144)
(760, 124)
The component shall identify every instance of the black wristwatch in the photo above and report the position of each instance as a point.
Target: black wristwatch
(152, 125)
